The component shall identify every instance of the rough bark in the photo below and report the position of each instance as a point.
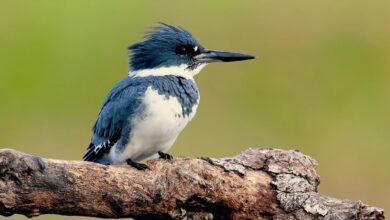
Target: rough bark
(257, 184)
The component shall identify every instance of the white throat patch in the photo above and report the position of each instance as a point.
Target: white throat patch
(181, 70)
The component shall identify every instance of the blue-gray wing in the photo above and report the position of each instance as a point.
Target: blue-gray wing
(113, 120)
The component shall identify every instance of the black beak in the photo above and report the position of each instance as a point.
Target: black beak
(209, 56)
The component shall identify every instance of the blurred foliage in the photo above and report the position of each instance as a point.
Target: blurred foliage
(320, 85)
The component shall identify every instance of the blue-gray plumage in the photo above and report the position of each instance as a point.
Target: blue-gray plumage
(145, 112)
(167, 37)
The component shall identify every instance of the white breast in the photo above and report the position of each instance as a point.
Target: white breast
(156, 129)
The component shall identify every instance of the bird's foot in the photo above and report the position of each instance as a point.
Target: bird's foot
(138, 166)
(165, 156)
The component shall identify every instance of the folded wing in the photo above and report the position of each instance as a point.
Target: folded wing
(113, 123)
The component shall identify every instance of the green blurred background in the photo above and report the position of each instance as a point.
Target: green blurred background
(320, 85)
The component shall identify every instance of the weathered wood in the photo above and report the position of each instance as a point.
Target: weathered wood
(257, 184)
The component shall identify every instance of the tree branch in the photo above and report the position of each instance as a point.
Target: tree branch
(257, 184)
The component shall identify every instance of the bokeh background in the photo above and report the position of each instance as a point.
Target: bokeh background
(320, 85)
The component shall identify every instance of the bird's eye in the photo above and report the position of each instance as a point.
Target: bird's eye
(187, 50)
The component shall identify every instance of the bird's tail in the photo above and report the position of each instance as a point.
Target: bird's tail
(91, 154)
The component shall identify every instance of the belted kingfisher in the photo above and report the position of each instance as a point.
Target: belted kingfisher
(144, 113)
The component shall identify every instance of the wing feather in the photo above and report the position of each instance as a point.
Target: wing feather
(114, 116)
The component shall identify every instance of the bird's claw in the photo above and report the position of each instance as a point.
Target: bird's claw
(165, 156)
(138, 166)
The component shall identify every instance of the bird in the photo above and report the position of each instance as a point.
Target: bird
(144, 113)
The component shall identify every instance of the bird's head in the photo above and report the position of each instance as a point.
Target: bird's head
(172, 50)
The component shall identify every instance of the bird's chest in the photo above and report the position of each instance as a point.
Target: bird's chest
(165, 115)
(168, 105)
